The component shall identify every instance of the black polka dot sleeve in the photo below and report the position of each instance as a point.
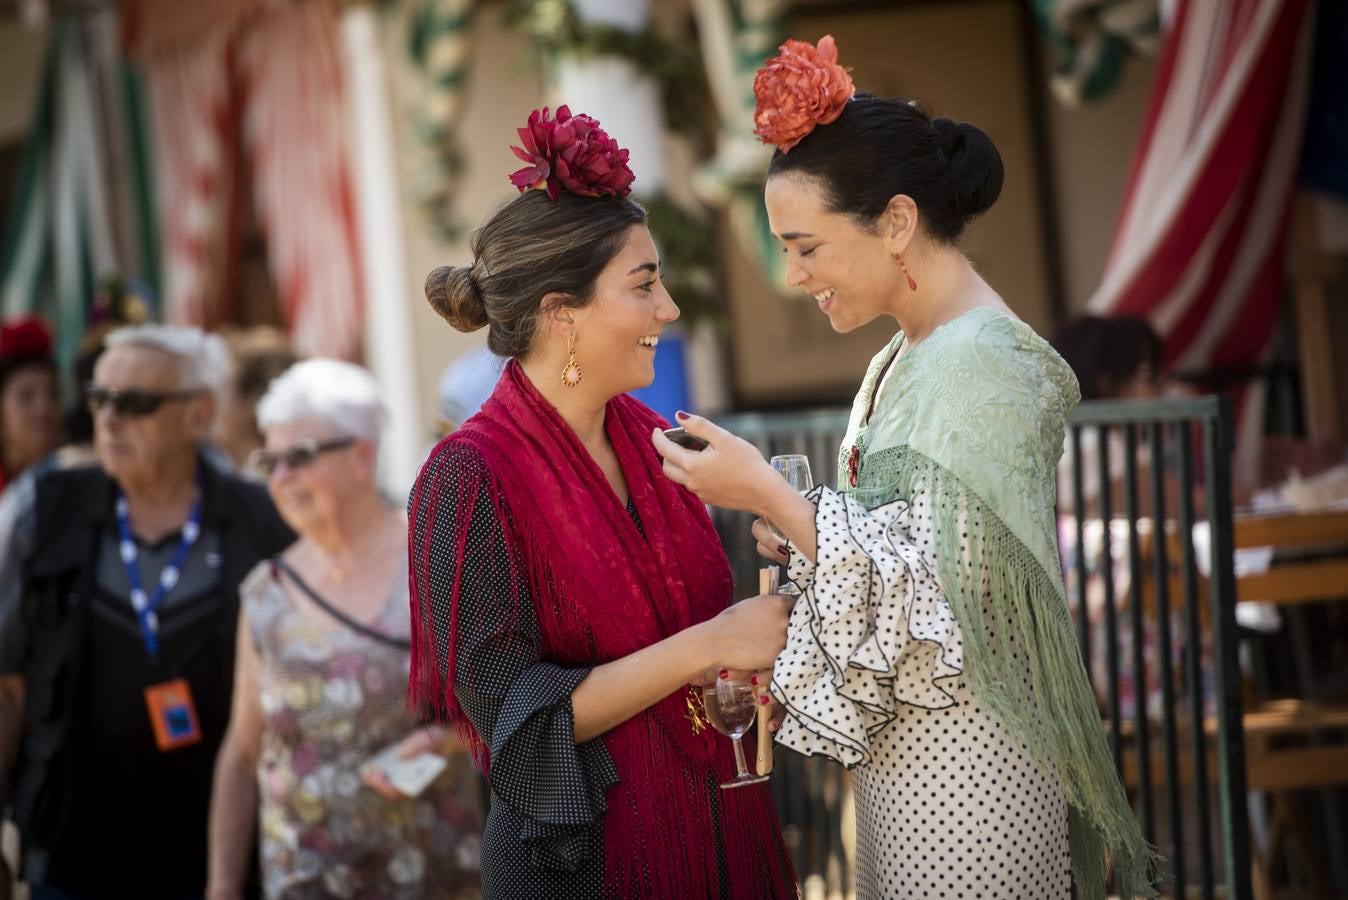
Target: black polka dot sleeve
(870, 631)
(547, 791)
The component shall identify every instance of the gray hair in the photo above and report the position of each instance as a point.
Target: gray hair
(203, 359)
(336, 393)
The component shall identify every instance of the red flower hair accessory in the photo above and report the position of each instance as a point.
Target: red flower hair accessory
(27, 338)
(799, 90)
(570, 153)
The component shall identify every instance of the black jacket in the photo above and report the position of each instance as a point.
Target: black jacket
(75, 661)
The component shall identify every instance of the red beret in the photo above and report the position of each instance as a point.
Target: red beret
(27, 338)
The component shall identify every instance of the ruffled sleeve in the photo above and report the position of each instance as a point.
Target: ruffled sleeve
(516, 701)
(871, 630)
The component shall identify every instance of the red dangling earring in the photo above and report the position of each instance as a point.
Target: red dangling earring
(912, 285)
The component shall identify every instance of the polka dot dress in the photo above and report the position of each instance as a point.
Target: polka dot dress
(948, 804)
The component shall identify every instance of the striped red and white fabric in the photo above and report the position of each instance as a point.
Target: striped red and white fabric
(194, 136)
(159, 27)
(1200, 243)
(296, 136)
(268, 79)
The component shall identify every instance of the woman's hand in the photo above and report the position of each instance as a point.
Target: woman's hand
(429, 739)
(770, 546)
(748, 635)
(760, 681)
(729, 473)
(778, 714)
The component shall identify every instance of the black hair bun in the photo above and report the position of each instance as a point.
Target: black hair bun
(973, 179)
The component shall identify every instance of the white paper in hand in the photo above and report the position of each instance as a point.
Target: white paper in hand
(409, 776)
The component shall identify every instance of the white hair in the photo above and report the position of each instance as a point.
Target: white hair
(330, 391)
(203, 359)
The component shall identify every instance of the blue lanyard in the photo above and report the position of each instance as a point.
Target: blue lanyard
(147, 607)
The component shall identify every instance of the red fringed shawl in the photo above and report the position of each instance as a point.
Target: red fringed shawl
(600, 592)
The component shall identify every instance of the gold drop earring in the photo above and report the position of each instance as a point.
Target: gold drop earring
(571, 373)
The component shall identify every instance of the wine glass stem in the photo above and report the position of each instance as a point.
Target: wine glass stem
(739, 757)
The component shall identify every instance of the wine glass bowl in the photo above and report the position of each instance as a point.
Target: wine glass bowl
(731, 704)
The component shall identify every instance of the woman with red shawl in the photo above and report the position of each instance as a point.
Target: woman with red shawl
(565, 595)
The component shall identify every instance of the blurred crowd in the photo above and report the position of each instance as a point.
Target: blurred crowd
(204, 627)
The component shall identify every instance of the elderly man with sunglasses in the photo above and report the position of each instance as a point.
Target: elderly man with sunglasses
(116, 658)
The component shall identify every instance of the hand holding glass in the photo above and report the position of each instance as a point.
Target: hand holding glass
(731, 706)
(795, 468)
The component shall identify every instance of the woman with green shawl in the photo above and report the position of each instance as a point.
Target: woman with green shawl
(931, 651)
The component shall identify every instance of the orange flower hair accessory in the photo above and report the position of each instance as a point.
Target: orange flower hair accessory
(799, 90)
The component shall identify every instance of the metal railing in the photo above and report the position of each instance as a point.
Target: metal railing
(816, 433)
(1195, 668)
(1190, 669)
(812, 794)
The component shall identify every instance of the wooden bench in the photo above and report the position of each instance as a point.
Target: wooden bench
(1287, 748)
(1291, 744)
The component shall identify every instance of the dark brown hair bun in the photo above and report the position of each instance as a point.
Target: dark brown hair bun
(454, 294)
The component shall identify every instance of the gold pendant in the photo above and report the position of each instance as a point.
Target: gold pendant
(571, 374)
(697, 712)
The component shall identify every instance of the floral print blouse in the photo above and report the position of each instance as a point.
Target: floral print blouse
(332, 699)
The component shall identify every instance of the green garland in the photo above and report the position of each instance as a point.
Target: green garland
(440, 164)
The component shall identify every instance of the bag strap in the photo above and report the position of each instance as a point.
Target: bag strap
(358, 627)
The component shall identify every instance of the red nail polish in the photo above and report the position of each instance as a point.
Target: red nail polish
(725, 673)
(765, 699)
(680, 415)
(783, 549)
(753, 679)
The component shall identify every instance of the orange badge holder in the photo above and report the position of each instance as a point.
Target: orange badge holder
(173, 715)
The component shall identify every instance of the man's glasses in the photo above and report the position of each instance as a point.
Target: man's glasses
(134, 402)
(296, 456)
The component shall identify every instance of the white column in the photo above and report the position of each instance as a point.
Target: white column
(388, 330)
(611, 90)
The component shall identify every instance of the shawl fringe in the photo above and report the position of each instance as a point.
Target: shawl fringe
(1055, 714)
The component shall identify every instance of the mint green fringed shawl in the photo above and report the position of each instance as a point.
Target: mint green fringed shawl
(974, 417)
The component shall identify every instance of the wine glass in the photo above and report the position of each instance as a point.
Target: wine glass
(731, 707)
(795, 468)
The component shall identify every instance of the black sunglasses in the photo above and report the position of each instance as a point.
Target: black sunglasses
(296, 456)
(134, 402)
